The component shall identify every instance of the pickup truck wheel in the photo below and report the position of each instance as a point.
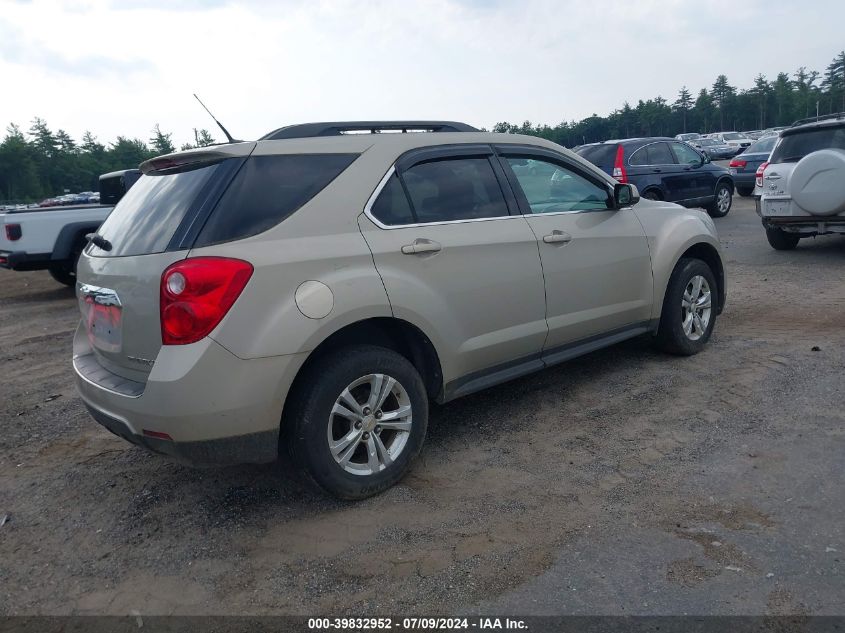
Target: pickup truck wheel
(65, 271)
(357, 421)
(745, 191)
(689, 308)
(781, 240)
(722, 201)
(61, 272)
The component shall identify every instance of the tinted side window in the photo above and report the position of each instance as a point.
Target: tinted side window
(267, 190)
(392, 207)
(454, 189)
(659, 154)
(639, 157)
(685, 154)
(550, 188)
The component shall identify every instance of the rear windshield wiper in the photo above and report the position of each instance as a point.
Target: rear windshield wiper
(99, 241)
(788, 159)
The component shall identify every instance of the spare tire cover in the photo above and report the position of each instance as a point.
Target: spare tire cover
(817, 184)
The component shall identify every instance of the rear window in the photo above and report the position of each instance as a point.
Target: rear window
(794, 147)
(762, 146)
(601, 156)
(145, 219)
(267, 190)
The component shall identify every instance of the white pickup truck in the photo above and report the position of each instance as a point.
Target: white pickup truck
(52, 238)
(801, 189)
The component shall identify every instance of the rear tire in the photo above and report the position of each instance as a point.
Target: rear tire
(651, 194)
(64, 273)
(745, 191)
(689, 308)
(781, 240)
(722, 201)
(371, 444)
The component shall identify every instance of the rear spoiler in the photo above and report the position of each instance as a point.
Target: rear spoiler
(114, 185)
(198, 156)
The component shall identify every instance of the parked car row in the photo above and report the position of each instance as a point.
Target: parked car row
(83, 197)
(729, 143)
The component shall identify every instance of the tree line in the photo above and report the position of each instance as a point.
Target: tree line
(43, 163)
(723, 107)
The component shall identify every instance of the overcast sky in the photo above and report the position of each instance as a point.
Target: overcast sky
(120, 67)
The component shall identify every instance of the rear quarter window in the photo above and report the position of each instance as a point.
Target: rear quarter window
(267, 190)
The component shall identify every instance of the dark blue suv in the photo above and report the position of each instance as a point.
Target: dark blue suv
(665, 169)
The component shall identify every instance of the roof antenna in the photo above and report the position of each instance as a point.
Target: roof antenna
(219, 124)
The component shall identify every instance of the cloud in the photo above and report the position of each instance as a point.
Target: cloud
(16, 49)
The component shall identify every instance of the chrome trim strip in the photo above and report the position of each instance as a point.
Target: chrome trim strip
(102, 296)
(99, 386)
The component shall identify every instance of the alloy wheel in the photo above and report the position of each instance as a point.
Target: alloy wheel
(696, 308)
(369, 424)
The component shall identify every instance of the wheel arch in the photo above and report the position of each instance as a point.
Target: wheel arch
(69, 236)
(710, 256)
(725, 178)
(395, 334)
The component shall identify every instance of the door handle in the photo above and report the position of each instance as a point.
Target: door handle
(421, 245)
(557, 237)
(657, 171)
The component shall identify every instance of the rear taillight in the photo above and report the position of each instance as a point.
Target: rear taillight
(736, 162)
(758, 177)
(13, 232)
(196, 294)
(619, 165)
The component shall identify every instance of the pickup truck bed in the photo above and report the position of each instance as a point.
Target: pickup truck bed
(36, 239)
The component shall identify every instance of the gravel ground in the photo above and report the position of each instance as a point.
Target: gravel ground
(622, 482)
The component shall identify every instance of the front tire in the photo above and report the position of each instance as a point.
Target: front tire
(357, 421)
(689, 308)
(781, 240)
(722, 201)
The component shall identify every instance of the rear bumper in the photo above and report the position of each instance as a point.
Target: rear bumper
(241, 449)
(744, 179)
(21, 260)
(807, 226)
(200, 404)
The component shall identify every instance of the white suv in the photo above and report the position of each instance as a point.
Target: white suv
(801, 189)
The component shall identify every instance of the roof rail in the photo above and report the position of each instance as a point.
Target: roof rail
(310, 130)
(814, 119)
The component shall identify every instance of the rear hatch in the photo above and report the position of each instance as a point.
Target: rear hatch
(119, 274)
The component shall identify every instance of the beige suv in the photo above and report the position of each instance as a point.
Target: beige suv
(311, 292)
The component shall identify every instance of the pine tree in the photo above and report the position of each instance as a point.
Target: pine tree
(721, 93)
(834, 82)
(683, 104)
(160, 142)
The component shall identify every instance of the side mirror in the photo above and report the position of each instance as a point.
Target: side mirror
(705, 159)
(625, 195)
